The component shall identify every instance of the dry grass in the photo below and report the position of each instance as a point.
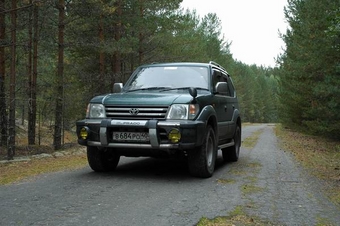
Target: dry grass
(320, 156)
(239, 220)
(251, 141)
(44, 141)
(236, 218)
(17, 171)
(74, 157)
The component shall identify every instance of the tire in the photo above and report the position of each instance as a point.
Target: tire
(102, 159)
(201, 161)
(231, 154)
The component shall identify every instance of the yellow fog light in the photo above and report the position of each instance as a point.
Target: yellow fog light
(84, 133)
(174, 136)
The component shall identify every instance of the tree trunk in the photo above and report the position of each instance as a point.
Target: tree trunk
(3, 114)
(11, 129)
(30, 131)
(60, 74)
(101, 53)
(35, 69)
(141, 35)
(32, 105)
(116, 60)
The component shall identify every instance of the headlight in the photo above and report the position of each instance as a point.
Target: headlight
(183, 111)
(95, 111)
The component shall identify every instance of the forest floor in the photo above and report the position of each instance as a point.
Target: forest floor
(44, 141)
(32, 160)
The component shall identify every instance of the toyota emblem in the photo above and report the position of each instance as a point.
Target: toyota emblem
(134, 111)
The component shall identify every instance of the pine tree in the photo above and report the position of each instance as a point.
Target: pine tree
(309, 74)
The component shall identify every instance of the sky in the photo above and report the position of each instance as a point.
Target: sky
(252, 27)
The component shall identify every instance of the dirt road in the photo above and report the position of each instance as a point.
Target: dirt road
(265, 184)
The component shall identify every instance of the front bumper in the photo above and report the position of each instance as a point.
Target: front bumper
(100, 133)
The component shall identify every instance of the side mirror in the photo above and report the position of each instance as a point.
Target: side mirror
(193, 92)
(222, 88)
(117, 87)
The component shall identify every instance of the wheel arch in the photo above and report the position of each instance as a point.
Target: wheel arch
(208, 114)
(239, 124)
(237, 119)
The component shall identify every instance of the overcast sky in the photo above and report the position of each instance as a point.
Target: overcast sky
(251, 25)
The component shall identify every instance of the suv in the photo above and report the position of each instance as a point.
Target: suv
(165, 109)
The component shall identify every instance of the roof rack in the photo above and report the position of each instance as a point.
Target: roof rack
(216, 64)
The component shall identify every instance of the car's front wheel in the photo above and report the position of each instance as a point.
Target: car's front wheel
(201, 161)
(102, 159)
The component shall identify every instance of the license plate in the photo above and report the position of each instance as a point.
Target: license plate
(130, 136)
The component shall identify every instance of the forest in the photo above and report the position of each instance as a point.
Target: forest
(55, 55)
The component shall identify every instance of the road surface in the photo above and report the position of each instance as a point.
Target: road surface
(266, 183)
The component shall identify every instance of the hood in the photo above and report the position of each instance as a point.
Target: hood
(143, 98)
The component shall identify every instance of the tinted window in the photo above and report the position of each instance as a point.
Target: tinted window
(219, 77)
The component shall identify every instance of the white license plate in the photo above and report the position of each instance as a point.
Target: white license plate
(130, 136)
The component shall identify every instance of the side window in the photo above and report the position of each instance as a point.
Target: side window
(219, 77)
(216, 78)
(224, 78)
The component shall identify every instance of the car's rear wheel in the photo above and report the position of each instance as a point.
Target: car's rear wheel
(102, 159)
(231, 154)
(201, 161)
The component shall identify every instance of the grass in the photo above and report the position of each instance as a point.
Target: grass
(236, 218)
(13, 172)
(251, 141)
(17, 171)
(250, 188)
(226, 181)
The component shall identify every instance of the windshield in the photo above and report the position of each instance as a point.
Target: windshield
(169, 77)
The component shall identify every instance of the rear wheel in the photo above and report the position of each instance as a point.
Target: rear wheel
(201, 161)
(102, 159)
(232, 153)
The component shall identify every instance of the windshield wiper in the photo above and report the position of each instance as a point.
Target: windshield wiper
(148, 88)
(187, 87)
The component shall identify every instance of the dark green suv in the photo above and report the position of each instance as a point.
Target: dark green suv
(165, 109)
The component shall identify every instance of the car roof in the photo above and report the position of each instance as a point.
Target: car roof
(177, 64)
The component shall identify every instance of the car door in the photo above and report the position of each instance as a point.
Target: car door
(231, 105)
(221, 106)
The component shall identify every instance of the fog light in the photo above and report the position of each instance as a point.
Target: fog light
(84, 133)
(174, 136)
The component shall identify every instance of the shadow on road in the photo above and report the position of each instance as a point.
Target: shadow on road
(151, 168)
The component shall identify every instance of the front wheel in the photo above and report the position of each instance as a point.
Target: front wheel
(102, 159)
(232, 153)
(201, 161)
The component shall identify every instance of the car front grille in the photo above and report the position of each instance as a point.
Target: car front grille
(139, 112)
